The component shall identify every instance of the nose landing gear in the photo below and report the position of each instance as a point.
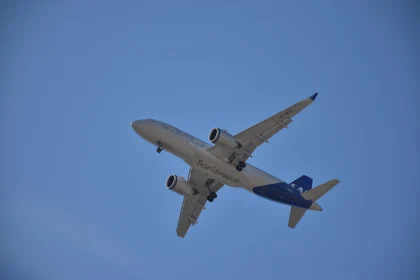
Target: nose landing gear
(159, 149)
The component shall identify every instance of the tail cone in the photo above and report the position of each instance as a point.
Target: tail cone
(315, 206)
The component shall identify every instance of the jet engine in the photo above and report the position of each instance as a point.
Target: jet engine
(179, 185)
(222, 137)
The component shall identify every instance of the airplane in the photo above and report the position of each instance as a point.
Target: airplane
(225, 163)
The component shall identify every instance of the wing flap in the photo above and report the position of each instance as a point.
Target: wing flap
(262, 134)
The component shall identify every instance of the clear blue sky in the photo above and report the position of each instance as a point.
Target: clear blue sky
(83, 197)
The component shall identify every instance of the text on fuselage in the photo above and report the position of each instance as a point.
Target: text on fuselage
(217, 171)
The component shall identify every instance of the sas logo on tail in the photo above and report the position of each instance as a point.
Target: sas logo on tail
(296, 187)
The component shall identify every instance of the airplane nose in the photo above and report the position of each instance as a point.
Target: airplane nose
(138, 126)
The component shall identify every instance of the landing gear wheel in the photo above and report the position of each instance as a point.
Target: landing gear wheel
(159, 149)
(213, 194)
(242, 164)
(209, 198)
(238, 168)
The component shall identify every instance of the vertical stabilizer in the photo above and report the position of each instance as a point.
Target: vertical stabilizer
(303, 182)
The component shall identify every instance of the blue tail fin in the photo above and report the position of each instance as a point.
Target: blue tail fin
(303, 182)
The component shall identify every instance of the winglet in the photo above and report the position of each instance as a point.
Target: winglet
(314, 96)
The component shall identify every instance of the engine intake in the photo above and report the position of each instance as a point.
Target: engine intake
(222, 137)
(180, 186)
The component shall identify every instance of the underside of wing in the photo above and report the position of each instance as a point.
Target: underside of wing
(192, 205)
(190, 210)
(260, 133)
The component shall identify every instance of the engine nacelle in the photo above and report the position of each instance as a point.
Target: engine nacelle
(222, 137)
(179, 185)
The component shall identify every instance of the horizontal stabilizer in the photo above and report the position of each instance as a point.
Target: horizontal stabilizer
(316, 193)
(296, 213)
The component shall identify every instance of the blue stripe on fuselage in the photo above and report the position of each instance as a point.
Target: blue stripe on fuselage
(283, 193)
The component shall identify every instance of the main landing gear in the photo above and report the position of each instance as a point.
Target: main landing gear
(212, 195)
(159, 149)
(241, 165)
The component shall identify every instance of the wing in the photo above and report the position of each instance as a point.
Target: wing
(253, 137)
(194, 204)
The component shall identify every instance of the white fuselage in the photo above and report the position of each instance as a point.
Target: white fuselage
(194, 152)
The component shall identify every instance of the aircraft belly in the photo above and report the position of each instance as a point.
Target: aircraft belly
(176, 145)
(216, 168)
